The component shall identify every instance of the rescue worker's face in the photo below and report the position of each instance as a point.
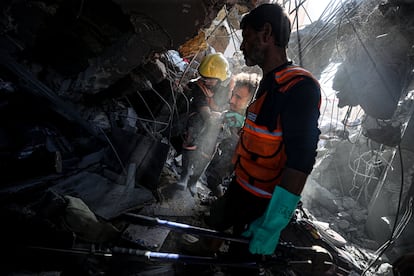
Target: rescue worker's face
(250, 46)
(209, 82)
(240, 98)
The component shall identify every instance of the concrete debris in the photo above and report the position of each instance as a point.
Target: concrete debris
(194, 46)
(106, 199)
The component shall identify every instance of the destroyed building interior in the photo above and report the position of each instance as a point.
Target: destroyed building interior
(93, 103)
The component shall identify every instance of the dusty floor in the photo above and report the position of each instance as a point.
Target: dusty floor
(147, 247)
(177, 205)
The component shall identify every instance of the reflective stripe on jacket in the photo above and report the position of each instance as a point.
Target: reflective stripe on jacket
(260, 154)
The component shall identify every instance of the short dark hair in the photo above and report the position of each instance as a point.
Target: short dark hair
(275, 16)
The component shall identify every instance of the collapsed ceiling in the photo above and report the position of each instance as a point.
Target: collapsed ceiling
(86, 60)
(93, 97)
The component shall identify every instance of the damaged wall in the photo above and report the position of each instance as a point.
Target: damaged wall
(91, 93)
(364, 51)
(88, 59)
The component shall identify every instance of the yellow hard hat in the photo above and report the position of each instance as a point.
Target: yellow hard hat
(214, 66)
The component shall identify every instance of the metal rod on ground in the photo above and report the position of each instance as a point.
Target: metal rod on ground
(188, 259)
(282, 261)
(165, 257)
(181, 227)
(316, 256)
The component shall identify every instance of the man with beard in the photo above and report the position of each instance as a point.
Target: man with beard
(277, 146)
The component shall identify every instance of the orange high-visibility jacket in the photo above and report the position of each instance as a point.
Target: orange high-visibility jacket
(260, 155)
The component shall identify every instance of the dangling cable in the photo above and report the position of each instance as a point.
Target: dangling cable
(114, 150)
(231, 29)
(393, 236)
(297, 32)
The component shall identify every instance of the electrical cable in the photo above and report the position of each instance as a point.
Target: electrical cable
(309, 45)
(174, 106)
(307, 14)
(328, 16)
(114, 150)
(316, 38)
(393, 237)
(327, 99)
(198, 51)
(147, 106)
(168, 106)
(175, 109)
(297, 32)
(80, 9)
(231, 27)
(297, 6)
(397, 229)
(144, 126)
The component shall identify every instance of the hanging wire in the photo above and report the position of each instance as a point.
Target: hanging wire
(154, 121)
(338, 52)
(143, 125)
(198, 51)
(307, 14)
(170, 116)
(176, 112)
(329, 15)
(179, 91)
(399, 227)
(368, 162)
(296, 9)
(315, 39)
(115, 151)
(147, 106)
(80, 11)
(297, 31)
(231, 29)
(297, 6)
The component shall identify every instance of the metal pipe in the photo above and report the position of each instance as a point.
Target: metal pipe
(181, 227)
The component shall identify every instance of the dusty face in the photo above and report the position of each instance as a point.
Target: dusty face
(209, 82)
(240, 98)
(250, 46)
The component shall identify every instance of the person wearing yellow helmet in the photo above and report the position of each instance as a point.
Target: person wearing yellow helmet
(214, 66)
(208, 98)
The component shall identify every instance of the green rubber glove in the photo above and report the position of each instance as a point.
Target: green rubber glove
(265, 231)
(233, 119)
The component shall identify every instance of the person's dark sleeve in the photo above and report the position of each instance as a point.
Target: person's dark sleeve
(300, 125)
(198, 99)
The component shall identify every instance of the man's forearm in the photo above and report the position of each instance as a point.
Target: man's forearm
(293, 180)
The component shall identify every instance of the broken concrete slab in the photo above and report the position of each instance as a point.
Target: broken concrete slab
(154, 237)
(106, 199)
